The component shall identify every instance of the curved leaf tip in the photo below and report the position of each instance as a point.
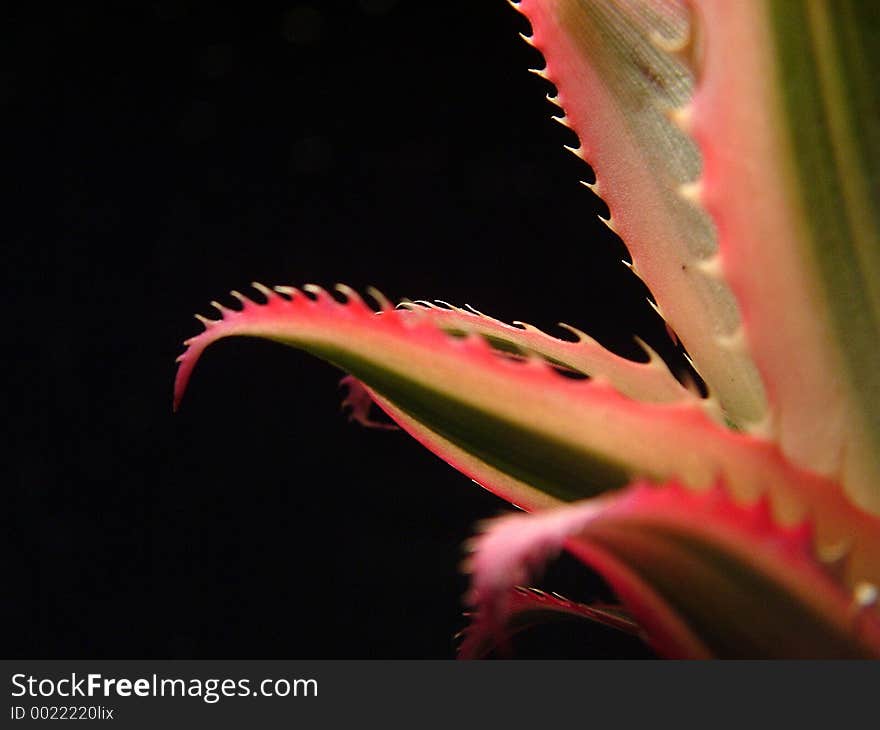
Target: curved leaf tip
(231, 322)
(520, 428)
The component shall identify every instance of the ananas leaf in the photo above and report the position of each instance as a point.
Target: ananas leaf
(787, 115)
(649, 381)
(551, 438)
(702, 575)
(618, 86)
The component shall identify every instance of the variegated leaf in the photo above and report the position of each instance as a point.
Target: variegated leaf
(703, 575)
(528, 433)
(617, 86)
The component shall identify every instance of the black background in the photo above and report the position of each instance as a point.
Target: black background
(160, 154)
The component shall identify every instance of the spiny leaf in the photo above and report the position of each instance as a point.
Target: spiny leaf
(549, 437)
(703, 575)
(787, 115)
(617, 87)
(649, 381)
(459, 389)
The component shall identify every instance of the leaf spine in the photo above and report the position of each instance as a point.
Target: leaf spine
(735, 341)
(865, 595)
(288, 291)
(526, 326)
(449, 306)
(653, 357)
(576, 151)
(682, 118)
(318, 291)
(580, 334)
(380, 299)
(692, 192)
(609, 223)
(592, 187)
(350, 294)
(563, 120)
(264, 290)
(655, 307)
(711, 267)
(241, 298)
(762, 429)
(474, 310)
(683, 50)
(835, 558)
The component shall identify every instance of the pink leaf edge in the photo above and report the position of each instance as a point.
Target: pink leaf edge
(681, 436)
(532, 607)
(513, 548)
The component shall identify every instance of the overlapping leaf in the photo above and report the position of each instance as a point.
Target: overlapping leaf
(702, 575)
(793, 571)
(550, 438)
